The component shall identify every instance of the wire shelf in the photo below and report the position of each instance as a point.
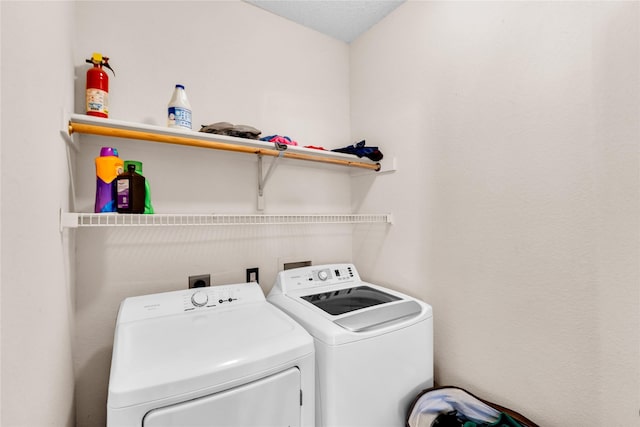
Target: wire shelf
(75, 220)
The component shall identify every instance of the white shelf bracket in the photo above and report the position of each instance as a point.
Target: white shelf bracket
(71, 144)
(68, 220)
(70, 139)
(262, 180)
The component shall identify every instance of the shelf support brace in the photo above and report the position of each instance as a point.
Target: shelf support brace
(262, 180)
(68, 220)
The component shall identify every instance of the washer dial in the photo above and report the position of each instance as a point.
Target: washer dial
(199, 298)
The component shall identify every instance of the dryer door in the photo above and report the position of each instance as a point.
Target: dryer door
(271, 401)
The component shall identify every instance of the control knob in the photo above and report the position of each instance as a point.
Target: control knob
(322, 275)
(199, 298)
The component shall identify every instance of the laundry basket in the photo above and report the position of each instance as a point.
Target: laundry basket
(450, 406)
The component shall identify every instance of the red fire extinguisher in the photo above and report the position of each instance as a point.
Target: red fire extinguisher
(98, 86)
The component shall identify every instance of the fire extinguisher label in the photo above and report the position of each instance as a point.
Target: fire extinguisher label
(97, 101)
(180, 117)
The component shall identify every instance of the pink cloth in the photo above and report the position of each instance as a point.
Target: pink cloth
(281, 139)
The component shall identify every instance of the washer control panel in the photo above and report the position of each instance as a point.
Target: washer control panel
(189, 300)
(211, 296)
(313, 276)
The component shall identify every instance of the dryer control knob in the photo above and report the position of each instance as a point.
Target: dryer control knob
(199, 298)
(322, 275)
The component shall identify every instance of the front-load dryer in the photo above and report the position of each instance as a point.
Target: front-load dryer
(374, 346)
(215, 356)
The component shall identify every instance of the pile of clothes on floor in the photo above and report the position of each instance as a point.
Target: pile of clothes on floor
(456, 407)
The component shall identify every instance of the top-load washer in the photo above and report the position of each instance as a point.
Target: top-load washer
(374, 346)
(215, 356)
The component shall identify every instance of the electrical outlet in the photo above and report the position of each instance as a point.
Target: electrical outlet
(252, 275)
(200, 281)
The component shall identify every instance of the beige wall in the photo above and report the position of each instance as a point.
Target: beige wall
(37, 296)
(239, 64)
(516, 203)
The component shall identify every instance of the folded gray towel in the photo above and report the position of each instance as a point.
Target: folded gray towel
(226, 128)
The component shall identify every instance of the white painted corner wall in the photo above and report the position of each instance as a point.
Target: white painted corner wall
(37, 324)
(516, 202)
(239, 64)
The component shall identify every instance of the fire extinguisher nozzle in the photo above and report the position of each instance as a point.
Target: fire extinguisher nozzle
(109, 67)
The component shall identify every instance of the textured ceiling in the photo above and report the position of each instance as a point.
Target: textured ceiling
(342, 19)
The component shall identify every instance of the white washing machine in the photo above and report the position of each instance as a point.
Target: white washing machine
(374, 346)
(216, 356)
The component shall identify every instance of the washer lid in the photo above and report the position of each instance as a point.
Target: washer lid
(170, 355)
(383, 315)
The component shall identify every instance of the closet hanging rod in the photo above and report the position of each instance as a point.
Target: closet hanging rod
(116, 132)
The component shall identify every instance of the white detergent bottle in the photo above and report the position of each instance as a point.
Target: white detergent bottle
(179, 112)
